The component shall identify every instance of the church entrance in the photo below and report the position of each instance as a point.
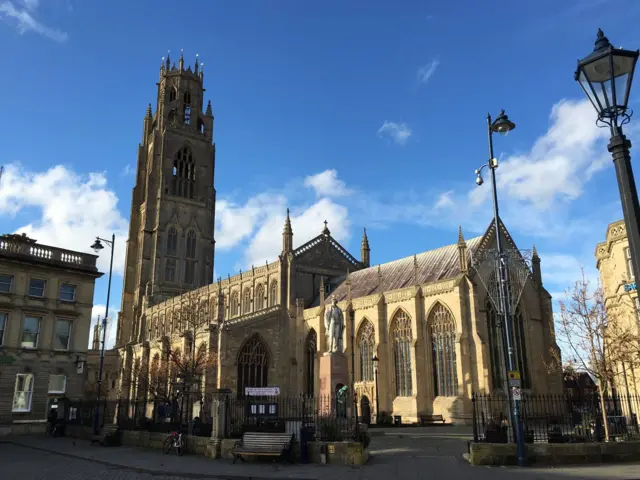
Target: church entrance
(365, 410)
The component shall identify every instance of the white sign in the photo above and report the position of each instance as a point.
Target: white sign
(517, 393)
(262, 391)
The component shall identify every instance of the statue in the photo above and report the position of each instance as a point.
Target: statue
(334, 326)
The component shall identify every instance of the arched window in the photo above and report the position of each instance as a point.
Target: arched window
(246, 301)
(496, 346)
(213, 309)
(258, 301)
(366, 342)
(311, 350)
(253, 364)
(200, 126)
(441, 328)
(184, 174)
(173, 93)
(187, 107)
(273, 294)
(235, 304)
(190, 258)
(402, 337)
(172, 249)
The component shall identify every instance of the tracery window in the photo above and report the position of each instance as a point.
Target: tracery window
(253, 365)
(442, 332)
(171, 251)
(366, 342)
(184, 174)
(311, 349)
(497, 338)
(246, 301)
(402, 337)
(235, 304)
(190, 258)
(273, 294)
(258, 301)
(187, 107)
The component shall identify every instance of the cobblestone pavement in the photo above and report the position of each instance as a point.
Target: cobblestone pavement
(416, 454)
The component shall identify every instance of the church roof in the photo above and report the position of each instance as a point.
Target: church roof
(433, 265)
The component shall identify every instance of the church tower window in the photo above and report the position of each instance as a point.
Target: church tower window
(442, 332)
(311, 351)
(184, 175)
(366, 341)
(253, 365)
(187, 107)
(190, 258)
(172, 250)
(172, 94)
(402, 337)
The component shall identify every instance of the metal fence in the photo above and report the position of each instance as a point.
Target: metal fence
(556, 418)
(323, 418)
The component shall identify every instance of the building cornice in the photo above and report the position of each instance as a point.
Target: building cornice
(616, 232)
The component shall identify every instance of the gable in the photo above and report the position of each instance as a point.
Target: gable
(325, 255)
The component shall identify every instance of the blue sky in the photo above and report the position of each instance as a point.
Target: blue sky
(362, 113)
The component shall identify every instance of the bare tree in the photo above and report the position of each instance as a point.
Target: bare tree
(596, 339)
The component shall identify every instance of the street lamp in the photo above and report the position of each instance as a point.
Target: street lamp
(376, 362)
(97, 246)
(605, 75)
(503, 126)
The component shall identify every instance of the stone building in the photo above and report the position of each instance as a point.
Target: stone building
(46, 297)
(618, 282)
(426, 317)
(110, 370)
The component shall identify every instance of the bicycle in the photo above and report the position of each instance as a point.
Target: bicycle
(174, 440)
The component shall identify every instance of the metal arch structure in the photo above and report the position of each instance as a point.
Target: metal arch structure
(486, 263)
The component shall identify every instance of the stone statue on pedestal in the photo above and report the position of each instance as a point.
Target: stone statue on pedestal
(334, 326)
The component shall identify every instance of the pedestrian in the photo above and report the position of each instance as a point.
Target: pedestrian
(51, 420)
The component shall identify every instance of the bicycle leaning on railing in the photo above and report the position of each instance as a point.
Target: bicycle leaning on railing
(174, 440)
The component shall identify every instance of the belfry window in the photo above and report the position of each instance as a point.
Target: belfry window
(187, 107)
(172, 94)
(171, 251)
(190, 258)
(184, 175)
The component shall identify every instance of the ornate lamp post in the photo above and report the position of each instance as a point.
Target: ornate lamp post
(376, 362)
(97, 246)
(503, 126)
(605, 75)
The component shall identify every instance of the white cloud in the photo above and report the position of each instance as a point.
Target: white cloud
(444, 200)
(71, 210)
(327, 184)
(399, 132)
(22, 15)
(306, 223)
(426, 71)
(98, 311)
(128, 170)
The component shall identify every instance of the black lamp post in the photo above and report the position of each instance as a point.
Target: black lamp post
(97, 246)
(376, 362)
(503, 126)
(605, 75)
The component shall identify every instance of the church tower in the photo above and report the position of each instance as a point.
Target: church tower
(170, 246)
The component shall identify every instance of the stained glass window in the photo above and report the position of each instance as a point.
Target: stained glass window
(442, 331)
(402, 337)
(366, 342)
(253, 365)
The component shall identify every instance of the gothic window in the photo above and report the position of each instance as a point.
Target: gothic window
(187, 107)
(190, 256)
(184, 174)
(187, 97)
(441, 328)
(246, 301)
(258, 301)
(402, 337)
(172, 94)
(172, 241)
(366, 341)
(273, 294)
(200, 126)
(170, 270)
(235, 304)
(253, 365)
(497, 337)
(310, 362)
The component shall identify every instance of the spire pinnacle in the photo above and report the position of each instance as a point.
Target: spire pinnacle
(209, 112)
(326, 230)
(149, 111)
(365, 240)
(460, 236)
(534, 254)
(196, 65)
(287, 224)
(168, 64)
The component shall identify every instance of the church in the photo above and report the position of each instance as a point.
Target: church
(427, 319)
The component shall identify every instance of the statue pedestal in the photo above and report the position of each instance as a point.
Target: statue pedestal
(334, 374)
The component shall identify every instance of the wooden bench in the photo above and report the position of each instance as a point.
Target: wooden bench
(263, 444)
(431, 419)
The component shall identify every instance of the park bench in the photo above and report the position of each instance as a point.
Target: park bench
(263, 444)
(431, 419)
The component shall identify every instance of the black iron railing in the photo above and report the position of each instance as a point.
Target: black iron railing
(557, 418)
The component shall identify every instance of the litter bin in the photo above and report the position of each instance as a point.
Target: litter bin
(397, 419)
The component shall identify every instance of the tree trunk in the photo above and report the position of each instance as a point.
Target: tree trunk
(604, 413)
